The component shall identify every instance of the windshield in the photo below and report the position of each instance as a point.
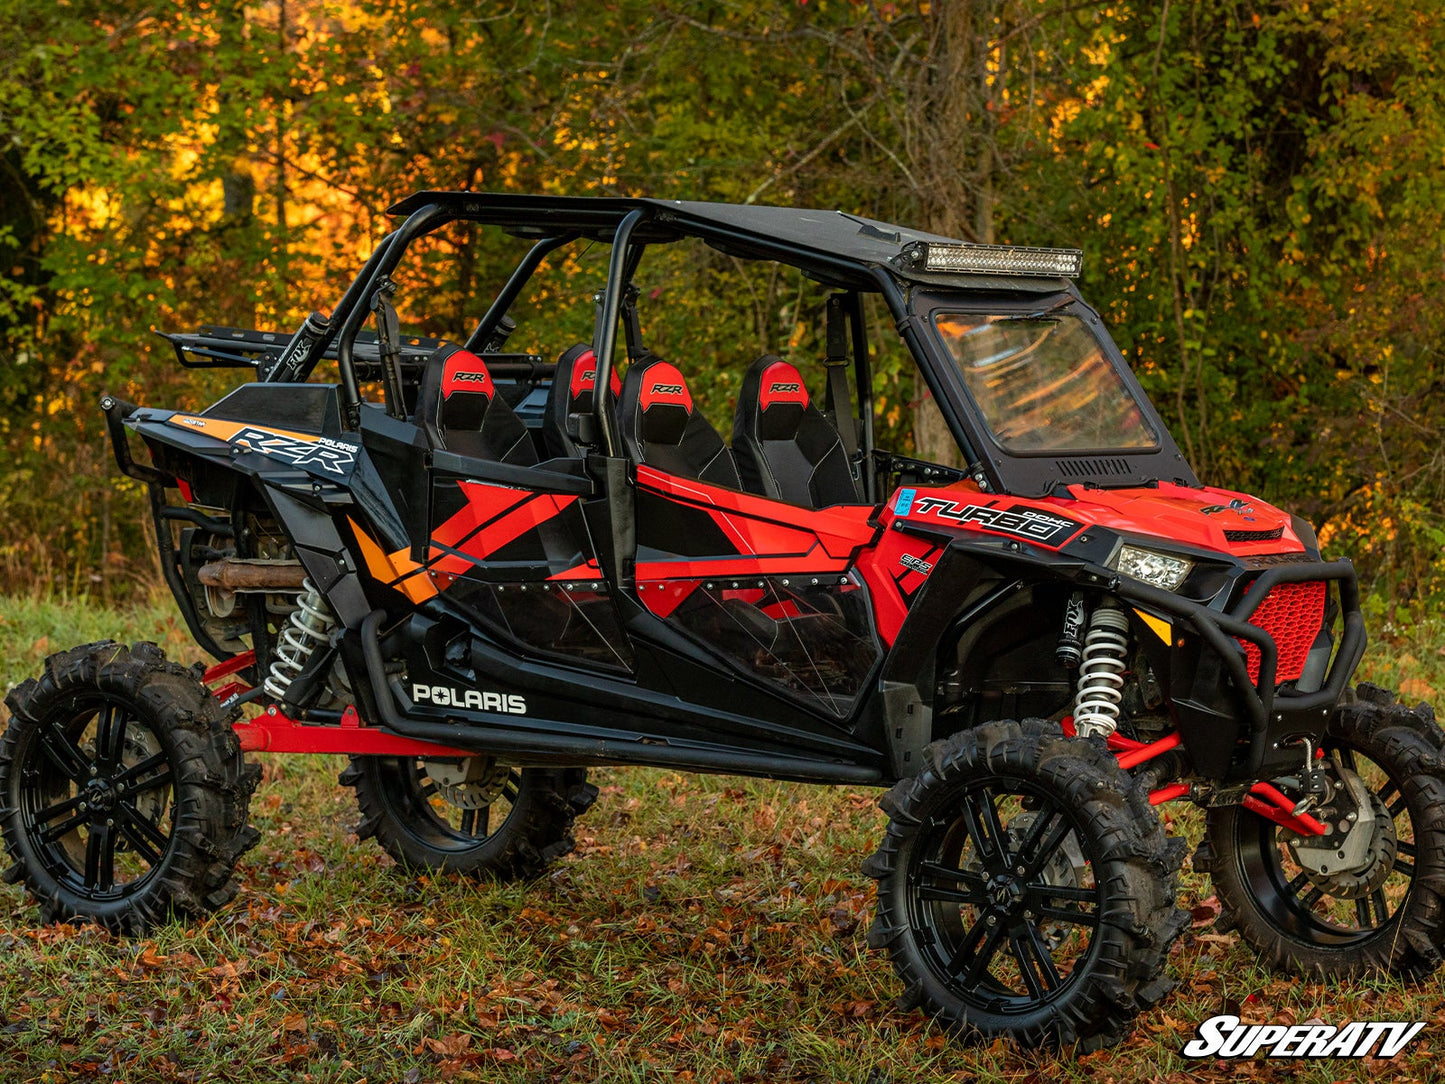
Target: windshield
(1043, 384)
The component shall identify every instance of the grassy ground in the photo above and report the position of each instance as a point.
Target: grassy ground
(706, 929)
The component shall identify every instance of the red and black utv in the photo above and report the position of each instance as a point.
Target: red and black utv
(499, 570)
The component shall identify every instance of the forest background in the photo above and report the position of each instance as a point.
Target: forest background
(1258, 189)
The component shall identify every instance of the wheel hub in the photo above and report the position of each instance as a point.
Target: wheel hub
(101, 795)
(1005, 893)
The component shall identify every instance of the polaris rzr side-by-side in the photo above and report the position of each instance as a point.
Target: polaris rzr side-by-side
(479, 572)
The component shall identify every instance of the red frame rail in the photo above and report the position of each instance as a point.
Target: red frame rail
(1264, 799)
(273, 731)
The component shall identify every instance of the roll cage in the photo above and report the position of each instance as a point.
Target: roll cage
(855, 254)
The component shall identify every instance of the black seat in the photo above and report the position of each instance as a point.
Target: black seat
(571, 393)
(661, 428)
(783, 445)
(458, 406)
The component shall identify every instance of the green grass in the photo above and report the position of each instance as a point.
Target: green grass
(706, 929)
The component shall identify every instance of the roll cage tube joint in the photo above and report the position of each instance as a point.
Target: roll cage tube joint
(419, 222)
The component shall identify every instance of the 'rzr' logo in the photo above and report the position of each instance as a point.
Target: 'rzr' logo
(1020, 520)
(470, 378)
(916, 563)
(667, 389)
(785, 387)
(331, 456)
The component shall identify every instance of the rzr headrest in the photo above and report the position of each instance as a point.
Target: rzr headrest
(580, 365)
(661, 428)
(664, 404)
(571, 393)
(782, 399)
(458, 406)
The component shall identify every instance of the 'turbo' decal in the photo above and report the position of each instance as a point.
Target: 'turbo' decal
(1020, 520)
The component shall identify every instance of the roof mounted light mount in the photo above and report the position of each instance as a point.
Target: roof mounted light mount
(970, 259)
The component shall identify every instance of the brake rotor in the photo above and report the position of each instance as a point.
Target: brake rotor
(1367, 876)
(473, 783)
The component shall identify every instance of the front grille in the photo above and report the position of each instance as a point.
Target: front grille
(1292, 614)
(1254, 536)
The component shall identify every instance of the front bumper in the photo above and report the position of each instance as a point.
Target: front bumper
(1236, 729)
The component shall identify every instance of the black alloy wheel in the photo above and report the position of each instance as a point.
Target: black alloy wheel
(1383, 910)
(1025, 889)
(123, 794)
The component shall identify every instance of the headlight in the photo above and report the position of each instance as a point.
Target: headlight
(1161, 570)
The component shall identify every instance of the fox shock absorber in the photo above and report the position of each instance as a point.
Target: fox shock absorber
(1070, 651)
(1101, 673)
(309, 627)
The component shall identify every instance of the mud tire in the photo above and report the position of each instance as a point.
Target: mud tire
(1134, 865)
(535, 831)
(1405, 743)
(130, 694)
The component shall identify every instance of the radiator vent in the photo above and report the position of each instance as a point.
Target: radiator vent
(1091, 468)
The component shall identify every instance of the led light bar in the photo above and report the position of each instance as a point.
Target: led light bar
(969, 259)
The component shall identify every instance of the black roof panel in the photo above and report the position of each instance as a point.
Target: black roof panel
(834, 234)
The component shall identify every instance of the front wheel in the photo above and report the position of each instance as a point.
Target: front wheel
(1369, 897)
(123, 794)
(476, 816)
(1024, 889)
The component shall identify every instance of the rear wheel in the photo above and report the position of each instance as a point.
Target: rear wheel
(475, 816)
(1370, 895)
(123, 794)
(1023, 890)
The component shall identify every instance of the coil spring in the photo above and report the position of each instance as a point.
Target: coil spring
(309, 626)
(1101, 674)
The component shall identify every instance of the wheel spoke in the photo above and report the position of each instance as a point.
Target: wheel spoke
(100, 858)
(1387, 788)
(428, 789)
(984, 827)
(141, 843)
(469, 822)
(50, 812)
(1065, 892)
(139, 770)
(1362, 914)
(1382, 909)
(979, 956)
(1042, 957)
(1295, 885)
(1407, 868)
(971, 878)
(486, 819)
(1064, 914)
(1397, 807)
(1038, 848)
(512, 787)
(1023, 957)
(1312, 897)
(110, 737)
(145, 826)
(64, 828)
(63, 753)
(1406, 848)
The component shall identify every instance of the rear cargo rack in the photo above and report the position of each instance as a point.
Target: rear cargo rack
(216, 347)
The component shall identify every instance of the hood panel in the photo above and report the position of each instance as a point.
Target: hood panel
(1203, 517)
